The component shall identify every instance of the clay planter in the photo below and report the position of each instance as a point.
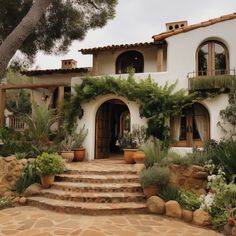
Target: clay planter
(129, 156)
(68, 156)
(47, 180)
(139, 157)
(79, 154)
(151, 190)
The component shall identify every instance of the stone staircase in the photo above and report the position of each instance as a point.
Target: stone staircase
(94, 188)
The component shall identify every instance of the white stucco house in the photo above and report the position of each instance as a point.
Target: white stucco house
(186, 53)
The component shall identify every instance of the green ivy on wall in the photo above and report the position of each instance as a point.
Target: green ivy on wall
(157, 103)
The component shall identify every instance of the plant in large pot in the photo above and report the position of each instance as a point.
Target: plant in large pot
(153, 179)
(78, 148)
(131, 141)
(66, 146)
(47, 166)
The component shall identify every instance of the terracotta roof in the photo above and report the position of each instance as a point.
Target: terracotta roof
(167, 34)
(56, 71)
(115, 47)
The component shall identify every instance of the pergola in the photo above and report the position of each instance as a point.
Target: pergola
(3, 88)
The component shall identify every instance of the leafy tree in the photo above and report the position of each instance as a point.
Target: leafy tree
(47, 25)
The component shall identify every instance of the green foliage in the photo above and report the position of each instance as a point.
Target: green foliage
(79, 137)
(211, 82)
(170, 192)
(154, 175)
(63, 22)
(189, 200)
(5, 203)
(157, 103)
(29, 176)
(40, 123)
(49, 164)
(67, 143)
(153, 152)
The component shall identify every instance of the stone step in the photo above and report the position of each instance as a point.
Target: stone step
(87, 208)
(97, 187)
(93, 171)
(91, 178)
(99, 197)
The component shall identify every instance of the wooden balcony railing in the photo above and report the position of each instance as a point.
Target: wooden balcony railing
(201, 82)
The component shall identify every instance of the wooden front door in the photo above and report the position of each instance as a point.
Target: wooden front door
(191, 128)
(103, 131)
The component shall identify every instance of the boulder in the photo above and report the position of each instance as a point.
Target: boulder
(22, 200)
(156, 205)
(233, 232)
(201, 217)
(32, 190)
(187, 215)
(173, 209)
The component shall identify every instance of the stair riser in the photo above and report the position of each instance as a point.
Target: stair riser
(96, 199)
(76, 210)
(97, 189)
(100, 172)
(90, 180)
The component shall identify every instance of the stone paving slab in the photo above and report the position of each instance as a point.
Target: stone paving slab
(31, 221)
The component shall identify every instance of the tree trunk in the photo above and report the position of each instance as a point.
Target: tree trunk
(16, 38)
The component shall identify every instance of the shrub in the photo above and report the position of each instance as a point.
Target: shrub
(154, 175)
(153, 152)
(189, 200)
(5, 203)
(29, 176)
(49, 164)
(170, 192)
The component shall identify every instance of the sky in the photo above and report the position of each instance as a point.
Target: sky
(137, 21)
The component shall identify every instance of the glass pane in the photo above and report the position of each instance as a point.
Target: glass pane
(220, 59)
(183, 127)
(203, 60)
(195, 131)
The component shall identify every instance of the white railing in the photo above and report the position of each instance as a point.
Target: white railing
(16, 122)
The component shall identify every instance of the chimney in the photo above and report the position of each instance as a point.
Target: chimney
(176, 25)
(68, 64)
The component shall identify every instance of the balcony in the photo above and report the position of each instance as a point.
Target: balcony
(221, 80)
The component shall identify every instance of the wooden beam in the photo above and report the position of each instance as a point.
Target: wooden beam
(160, 59)
(2, 106)
(33, 86)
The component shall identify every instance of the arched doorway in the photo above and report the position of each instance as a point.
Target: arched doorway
(191, 128)
(112, 119)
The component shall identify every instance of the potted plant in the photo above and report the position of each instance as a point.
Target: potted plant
(66, 147)
(47, 166)
(79, 150)
(153, 178)
(131, 141)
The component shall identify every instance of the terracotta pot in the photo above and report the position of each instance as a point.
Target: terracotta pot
(129, 155)
(151, 190)
(139, 157)
(68, 156)
(47, 180)
(79, 154)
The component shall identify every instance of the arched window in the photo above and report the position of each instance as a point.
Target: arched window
(191, 128)
(212, 59)
(128, 61)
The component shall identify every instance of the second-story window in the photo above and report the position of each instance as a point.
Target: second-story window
(212, 59)
(128, 61)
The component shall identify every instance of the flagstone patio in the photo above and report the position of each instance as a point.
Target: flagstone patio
(31, 221)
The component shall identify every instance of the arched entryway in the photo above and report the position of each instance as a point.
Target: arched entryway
(112, 119)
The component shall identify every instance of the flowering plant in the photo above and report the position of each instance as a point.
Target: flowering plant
(231, 221)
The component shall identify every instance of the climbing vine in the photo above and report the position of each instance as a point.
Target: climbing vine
(157, 103)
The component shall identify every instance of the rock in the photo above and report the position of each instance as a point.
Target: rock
(200, 175)
(23, 161)
(156, 205)
(10, 158)
(8, 194)
(187, 215)
(173, 209)
(23, 200)
(233, 232)
(16, 200)
(32, 190)
(201, 217)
